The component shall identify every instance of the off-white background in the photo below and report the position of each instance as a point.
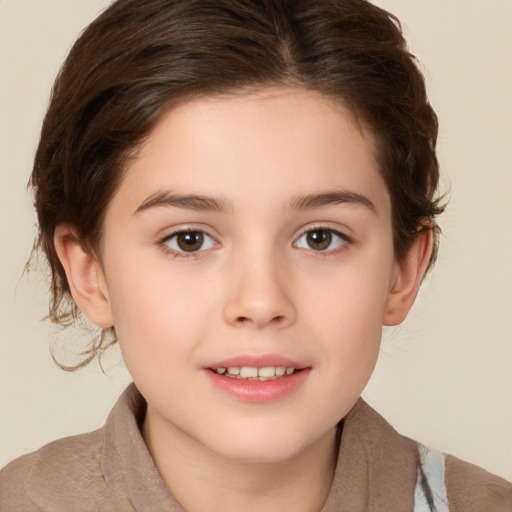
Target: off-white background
(444, 377)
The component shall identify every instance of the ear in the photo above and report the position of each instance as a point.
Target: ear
(407, 277)
(85, 276)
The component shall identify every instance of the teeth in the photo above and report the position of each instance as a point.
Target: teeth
(246, 372)
(252, 373)
(267, 372)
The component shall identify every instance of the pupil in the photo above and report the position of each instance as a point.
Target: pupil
(319, 240)
(190, 241)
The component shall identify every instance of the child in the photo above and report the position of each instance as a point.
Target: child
(241, 193)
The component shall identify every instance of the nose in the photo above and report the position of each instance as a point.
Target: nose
(259, 295)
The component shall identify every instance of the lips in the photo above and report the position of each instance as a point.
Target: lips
(258, 379)
(260, 361)
(248, 372)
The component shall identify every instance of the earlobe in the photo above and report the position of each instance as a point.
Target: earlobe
(409, 272)
(85, 277)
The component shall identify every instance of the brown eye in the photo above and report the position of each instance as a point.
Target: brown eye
(190, 241)
(319, 239)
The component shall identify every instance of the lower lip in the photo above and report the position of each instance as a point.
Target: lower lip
(259, 391)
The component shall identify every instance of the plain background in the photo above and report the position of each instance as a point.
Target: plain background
(444, 377)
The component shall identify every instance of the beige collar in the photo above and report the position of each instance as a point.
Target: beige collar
(376, 468)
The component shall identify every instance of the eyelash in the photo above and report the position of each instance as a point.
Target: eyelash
(342, 242)
(176, 253)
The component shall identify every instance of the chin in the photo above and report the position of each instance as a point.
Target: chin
(265, 445)
(259, 454)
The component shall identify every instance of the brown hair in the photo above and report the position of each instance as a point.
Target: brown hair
(138, 58)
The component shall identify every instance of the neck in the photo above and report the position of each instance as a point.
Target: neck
(300, 483)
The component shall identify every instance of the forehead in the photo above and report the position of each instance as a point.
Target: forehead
(274, 143)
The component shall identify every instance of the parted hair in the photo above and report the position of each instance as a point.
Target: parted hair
(141, 57)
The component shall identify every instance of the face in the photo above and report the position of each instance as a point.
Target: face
(248, 260)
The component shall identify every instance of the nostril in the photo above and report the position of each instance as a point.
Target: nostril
(241, 320)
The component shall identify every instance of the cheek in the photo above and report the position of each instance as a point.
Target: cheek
(346, 313)
(158, 318)
(349, 301)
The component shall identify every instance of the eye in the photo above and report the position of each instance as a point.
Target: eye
(189, 241)
(321, 239)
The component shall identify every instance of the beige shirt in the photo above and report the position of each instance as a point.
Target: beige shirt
(111, 470)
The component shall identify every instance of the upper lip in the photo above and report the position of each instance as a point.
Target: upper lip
(258, 361)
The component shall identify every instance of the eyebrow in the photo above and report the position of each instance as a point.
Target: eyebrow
(219, 205)
(188, 201)
(310, 201)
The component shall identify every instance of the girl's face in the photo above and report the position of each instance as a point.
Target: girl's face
(251, 235)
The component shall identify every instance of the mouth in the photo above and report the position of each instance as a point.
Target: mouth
(264, 373)
(258, 378)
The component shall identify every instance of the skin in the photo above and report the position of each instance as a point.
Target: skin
(255, 287)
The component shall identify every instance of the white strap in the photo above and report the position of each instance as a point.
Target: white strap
(430, 480)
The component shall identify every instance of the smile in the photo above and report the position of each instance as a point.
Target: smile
(258, 378)
(254, 373)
